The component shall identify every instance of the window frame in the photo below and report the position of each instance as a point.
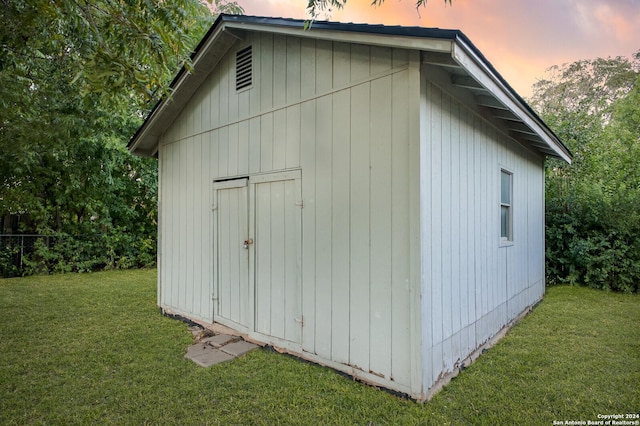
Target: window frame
(508, 239)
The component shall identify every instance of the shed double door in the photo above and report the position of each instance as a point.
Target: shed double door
(258, 240)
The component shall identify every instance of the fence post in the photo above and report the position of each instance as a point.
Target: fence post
(21, 250)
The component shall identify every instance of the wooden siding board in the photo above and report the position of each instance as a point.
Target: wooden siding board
(266, 142)
(233, 100)
(292, 284)
(266, 72)
(465, 207)
(244, 103)
(415, 311)
(255, 148)
(196, 189)
(340, 181)
(456, 234)
(223, 93)
(324, 66)
(293, 72)
(436, 215)
(279, 70)
(380, 225)
(214, 98)
(279, 140)
(341, 64)
(223, 151)
(323, 223)
(472, 224)
(359, 297)
(264, 320)
(425, 233)
(360, 57)
(308, 163)
(400, 57)
(400, 297)
(307, 68)
(380, 60)
(233, 159)
(205, 111)
(180, 291)
(244, 303)
(165, 217)
(275, 191)
(255, 92)
(174, 282)
(243, 147)
(293, 137)
(236, 269)
(446, 237)
(224, 252)
(206, 243)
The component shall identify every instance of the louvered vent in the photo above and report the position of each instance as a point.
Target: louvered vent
(243, 68)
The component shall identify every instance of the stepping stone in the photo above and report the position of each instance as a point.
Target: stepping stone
(238, 348)
(218, 340)
(205, 355)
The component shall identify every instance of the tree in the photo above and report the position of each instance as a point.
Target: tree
(111, 47)
(76, 79)
(316, 7)
(593, 224)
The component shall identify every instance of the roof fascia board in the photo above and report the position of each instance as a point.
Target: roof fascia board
(384, 40)
(466, 57)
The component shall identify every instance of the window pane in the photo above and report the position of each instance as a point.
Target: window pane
(504, 222)
(505, 197)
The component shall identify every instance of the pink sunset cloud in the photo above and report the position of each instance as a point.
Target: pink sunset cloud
(520, 38)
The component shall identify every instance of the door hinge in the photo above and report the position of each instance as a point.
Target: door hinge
(213, 297)
(300, 203)
(300, 319)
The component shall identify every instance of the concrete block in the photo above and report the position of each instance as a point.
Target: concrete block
(218, 340)
(206, 355)
(238, 348)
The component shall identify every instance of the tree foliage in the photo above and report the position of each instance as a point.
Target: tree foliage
(317, 7)
(76, 78)
(593, 205)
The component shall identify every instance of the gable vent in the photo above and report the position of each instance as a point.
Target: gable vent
(243, 68)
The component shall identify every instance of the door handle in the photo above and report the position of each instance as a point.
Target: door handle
(247, 243)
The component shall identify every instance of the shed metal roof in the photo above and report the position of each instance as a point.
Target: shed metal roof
(448, 53)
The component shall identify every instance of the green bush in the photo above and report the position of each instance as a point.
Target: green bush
(8, 266)
(90, 252)
(594, 239)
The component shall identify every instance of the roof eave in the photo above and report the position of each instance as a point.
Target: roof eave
(469, 58)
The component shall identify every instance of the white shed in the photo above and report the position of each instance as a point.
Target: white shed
(367, 197)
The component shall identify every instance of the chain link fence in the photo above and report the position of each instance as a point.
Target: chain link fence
(15, 248)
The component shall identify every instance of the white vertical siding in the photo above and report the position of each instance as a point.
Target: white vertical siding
(342, 114)
(473, 285)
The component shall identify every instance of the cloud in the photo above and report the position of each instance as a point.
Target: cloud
(521, 38)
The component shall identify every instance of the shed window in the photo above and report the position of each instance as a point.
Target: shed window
(244, 76)
(506, 213)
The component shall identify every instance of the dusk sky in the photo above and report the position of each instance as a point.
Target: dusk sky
(521, 38)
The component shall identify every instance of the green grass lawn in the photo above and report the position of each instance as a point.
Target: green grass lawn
(94, 349)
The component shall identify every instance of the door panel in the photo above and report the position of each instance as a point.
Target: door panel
(277, 257)
(233, 303)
